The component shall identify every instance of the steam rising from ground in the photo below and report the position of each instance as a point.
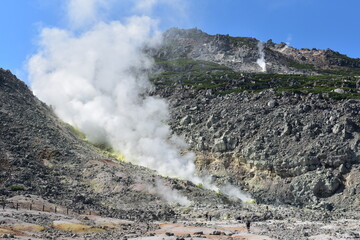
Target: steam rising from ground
(261, 60)
(169, 194)
(96, 79)
(98, 82)
(236, 192)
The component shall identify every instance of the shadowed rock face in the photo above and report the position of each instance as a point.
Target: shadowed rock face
(241, 53)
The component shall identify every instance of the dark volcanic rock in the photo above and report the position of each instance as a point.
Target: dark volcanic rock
(292, 148)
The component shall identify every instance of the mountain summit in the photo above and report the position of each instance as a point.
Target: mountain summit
(242, 54)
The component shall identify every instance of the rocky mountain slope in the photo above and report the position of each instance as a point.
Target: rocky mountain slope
(241, 53)
(284, 136)
(55, 185)
(42, 156)
(290, 148)
(290, 136)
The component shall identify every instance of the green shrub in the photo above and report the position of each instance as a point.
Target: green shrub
(17, 188)
(198, 75)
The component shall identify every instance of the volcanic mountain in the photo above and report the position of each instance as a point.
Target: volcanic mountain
(241, 54)
(288, 133)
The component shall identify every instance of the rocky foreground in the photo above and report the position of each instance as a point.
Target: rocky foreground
(42, 221)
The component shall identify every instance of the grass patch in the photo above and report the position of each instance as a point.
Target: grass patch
(17, 188)
(198, 75)
(249, 42)
(297, 65)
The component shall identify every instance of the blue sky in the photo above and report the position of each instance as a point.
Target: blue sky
(303, 23)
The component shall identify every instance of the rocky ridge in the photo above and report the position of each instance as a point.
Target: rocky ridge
(241, 53)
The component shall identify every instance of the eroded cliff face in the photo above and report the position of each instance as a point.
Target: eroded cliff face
(292, 148)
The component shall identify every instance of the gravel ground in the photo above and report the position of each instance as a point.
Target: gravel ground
(267, 222)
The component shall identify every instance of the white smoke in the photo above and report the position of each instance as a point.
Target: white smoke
(168, 194)
(97, 82)
(81, 13)
(261, 60)
(96, 79)
(289, 39)
(236, 192)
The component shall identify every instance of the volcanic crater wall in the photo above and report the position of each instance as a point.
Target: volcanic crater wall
(293, 148)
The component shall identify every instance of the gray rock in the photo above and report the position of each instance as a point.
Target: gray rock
(339, 90)
(325, 187)
(211, 121)
(220, 145)
(288, 142)
(272, 103)
(337, 128)
(185, 120)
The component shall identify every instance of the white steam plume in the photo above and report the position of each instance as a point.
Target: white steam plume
(96, 79)
(168, 194)
(236, 192)
(82, 13)
(261, 60)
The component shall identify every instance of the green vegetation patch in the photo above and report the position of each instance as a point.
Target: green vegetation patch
(17, 188)
(297, 65)
(198, 75)
(250, 42)
(194, 73)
